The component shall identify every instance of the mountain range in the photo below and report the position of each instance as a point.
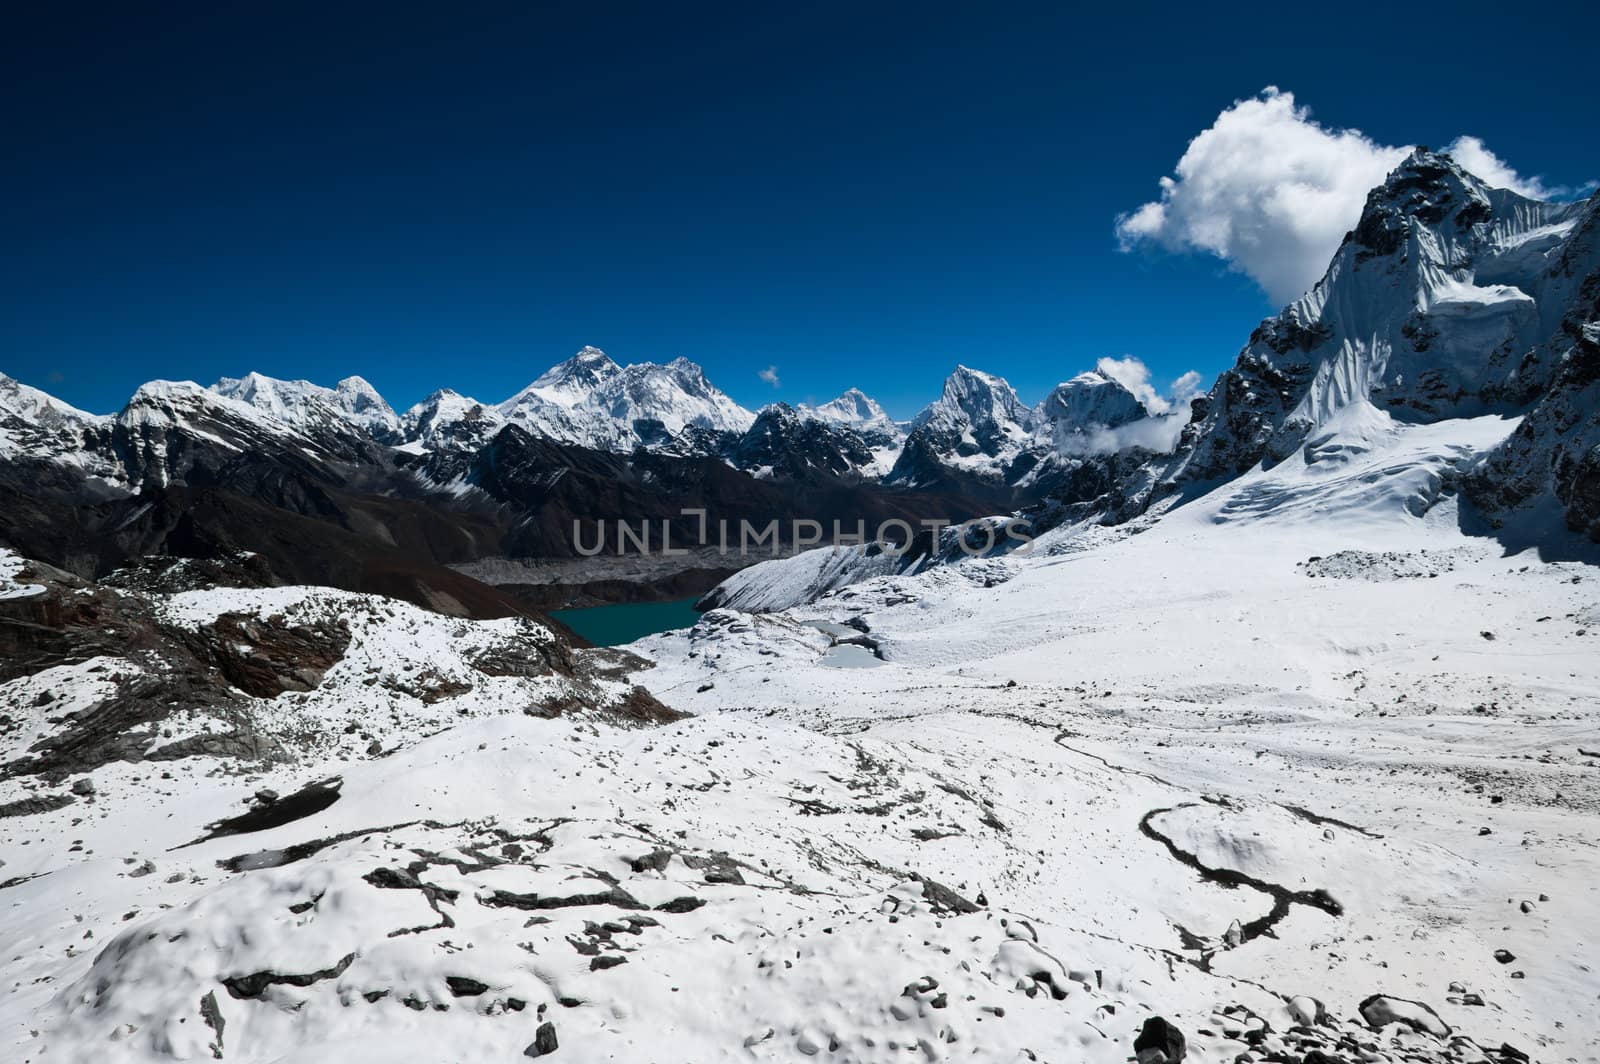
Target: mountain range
(977, 429)
(403, 501)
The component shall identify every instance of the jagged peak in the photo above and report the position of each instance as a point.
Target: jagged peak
(441, 395)
(23, 399)
(1091, 378)
(963, 381)
(587, 368)
(1427, 187)
(779, 410)
(355, 383)
(156, 390)
(853, 406)
(688, 371)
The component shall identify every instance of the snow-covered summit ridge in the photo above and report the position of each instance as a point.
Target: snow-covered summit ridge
(1091, 398)
(303, 404)
(592, 401)
(857, 410)
(36, 424)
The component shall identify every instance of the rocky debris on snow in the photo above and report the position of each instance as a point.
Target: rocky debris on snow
(94, 674)
(1159, 1042)
(544, 1041)
(1381, 1010)
(1379, 566)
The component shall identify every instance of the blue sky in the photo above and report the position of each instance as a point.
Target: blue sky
(855, 194)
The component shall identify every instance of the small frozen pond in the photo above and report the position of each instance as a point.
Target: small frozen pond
(850, 656)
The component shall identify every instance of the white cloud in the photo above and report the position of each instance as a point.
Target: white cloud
(1471, 154)
(1158, 432)
(770, 375)
(1134, 375)
(1272, 192)
(1186, 388)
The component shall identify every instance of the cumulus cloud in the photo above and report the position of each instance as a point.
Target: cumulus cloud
(1158, 434)
(1272, 192)
(1471, 153)
(1186, 388)
(1266, 188)
(1134, 375)
(770, 375)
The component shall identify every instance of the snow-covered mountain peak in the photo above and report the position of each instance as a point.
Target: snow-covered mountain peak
(35, 424)
(359, 395)
(677, 395)
(1091, 398)
(20, 400)
(304, 405)
(977, 426)
(163, 402)
(591, 401)
(449, 420)
(859, 411)
(853, 407)
(1440, 303)
(976, 398)
(567, 382)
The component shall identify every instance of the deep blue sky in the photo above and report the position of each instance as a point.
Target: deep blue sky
(461, 195)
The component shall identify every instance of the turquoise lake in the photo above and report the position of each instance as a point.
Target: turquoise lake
(610, 626)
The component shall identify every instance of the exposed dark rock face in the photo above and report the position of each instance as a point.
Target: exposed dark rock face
(783, 444)
(544, 1041)
(1159, 1042)
(559, 487)
(1555, 451)
(212, 1015)
(256, 983)
(73, 622)
(311, 799)
(40, 803)
(151, 670)
(1380, 1010)
(265, 657)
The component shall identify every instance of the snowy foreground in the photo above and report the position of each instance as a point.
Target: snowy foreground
(1245, 765)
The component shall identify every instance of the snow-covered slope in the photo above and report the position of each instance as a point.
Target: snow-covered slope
(1308, 676)
(780, 583)
(1304, 778)
(1288, 760)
